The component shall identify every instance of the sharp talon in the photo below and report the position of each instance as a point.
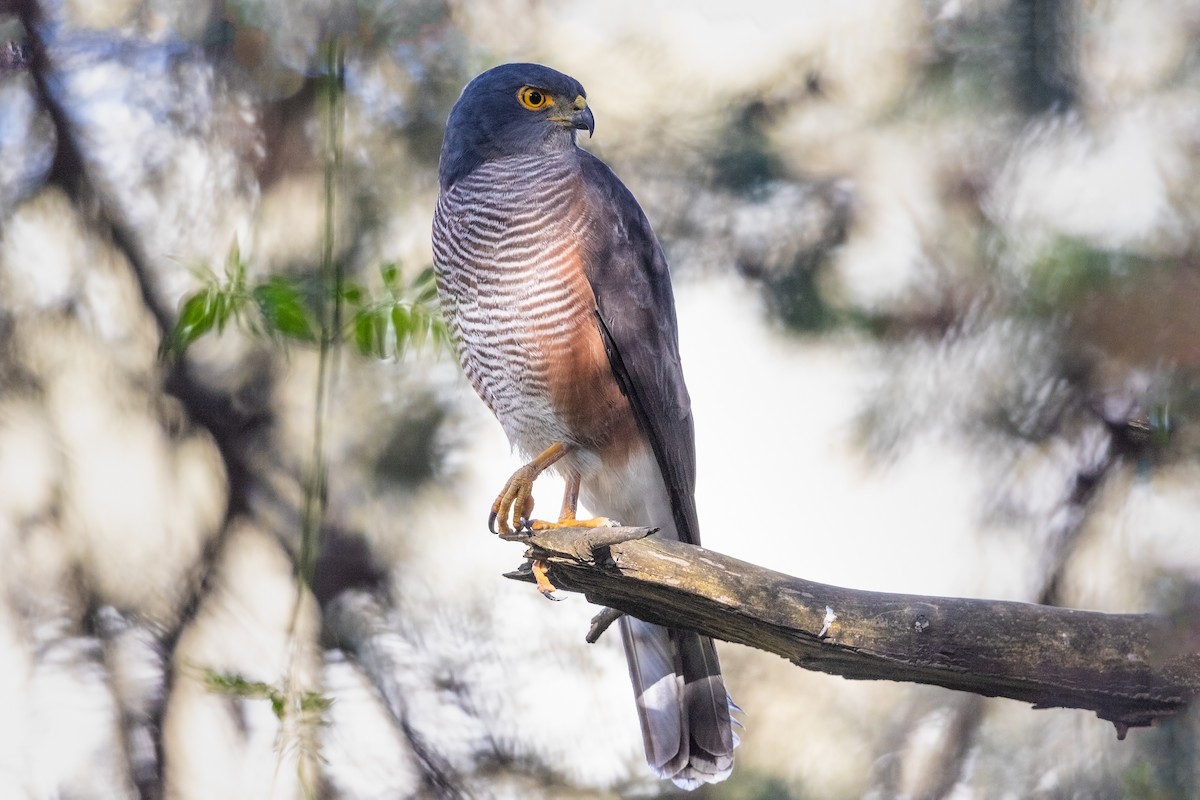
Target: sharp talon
(526, 524)
(515, 501)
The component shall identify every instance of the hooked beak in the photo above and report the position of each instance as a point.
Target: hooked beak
(578, 117)
(584, 121)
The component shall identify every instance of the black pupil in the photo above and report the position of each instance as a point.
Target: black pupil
(534, 98)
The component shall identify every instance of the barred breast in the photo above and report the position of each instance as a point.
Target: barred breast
(509, 248)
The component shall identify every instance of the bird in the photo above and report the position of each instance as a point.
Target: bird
(558, 296)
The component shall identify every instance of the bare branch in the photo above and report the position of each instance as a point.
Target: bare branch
(1128, 668)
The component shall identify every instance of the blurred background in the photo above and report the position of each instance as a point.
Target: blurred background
(937, 275)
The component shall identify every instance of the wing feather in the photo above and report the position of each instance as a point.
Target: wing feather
(635, 310)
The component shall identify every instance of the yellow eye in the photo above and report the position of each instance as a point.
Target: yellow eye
(533, 99)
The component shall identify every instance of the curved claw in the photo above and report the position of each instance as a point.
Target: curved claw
(515, 500)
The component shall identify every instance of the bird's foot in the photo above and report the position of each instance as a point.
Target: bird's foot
(540, 568)
(569, 522)
(514, 502)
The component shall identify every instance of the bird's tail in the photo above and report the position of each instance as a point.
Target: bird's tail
(681, 703)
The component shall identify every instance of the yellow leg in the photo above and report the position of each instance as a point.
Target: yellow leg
(515, 502)
(566, 519)
(566, 516)
(570, 498)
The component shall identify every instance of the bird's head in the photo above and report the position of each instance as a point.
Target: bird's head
(512, 110)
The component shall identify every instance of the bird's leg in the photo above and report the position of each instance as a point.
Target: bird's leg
(566, 519)
(570, 497)
(566, 516)
(516, 498)
(516, 502)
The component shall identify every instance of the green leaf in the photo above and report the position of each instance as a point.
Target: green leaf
(233, 262)
(391, 276)
(366, 334)
(401, 326)
(1160, 426)
(1066, 270)
(283, 309)
(353, 294)
(198, 312)
(422, 324)
(195, 319)
(381, 317)
(439, 333)
(312, 701)
(426, 286)
(237, 685)
(222, 306)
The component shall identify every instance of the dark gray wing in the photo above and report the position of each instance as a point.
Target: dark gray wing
(636, 312)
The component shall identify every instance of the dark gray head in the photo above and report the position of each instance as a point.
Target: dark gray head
(510, 110)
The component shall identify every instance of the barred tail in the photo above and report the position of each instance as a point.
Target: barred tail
(681, 702)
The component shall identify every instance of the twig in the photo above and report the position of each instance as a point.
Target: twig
(1128, 668)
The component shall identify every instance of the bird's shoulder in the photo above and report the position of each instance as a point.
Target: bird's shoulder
(629, 250)
(609, 192)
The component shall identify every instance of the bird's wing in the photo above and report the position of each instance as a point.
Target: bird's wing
(629, 276)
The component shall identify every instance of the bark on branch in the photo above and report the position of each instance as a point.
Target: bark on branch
(1128, 668)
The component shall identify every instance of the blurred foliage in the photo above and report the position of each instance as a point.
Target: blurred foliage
(325, 310)
(987, 56)
(1066, 269)
(744, 160)
(1045, 32)
(409, 455)
(286, 308)
(407, 317)
(1075, 306)
(282, 705)
(1140, 782)
(1166, 766)
(745, 784)
(797, 299)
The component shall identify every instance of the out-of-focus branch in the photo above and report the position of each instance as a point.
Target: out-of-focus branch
(1128, 668)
